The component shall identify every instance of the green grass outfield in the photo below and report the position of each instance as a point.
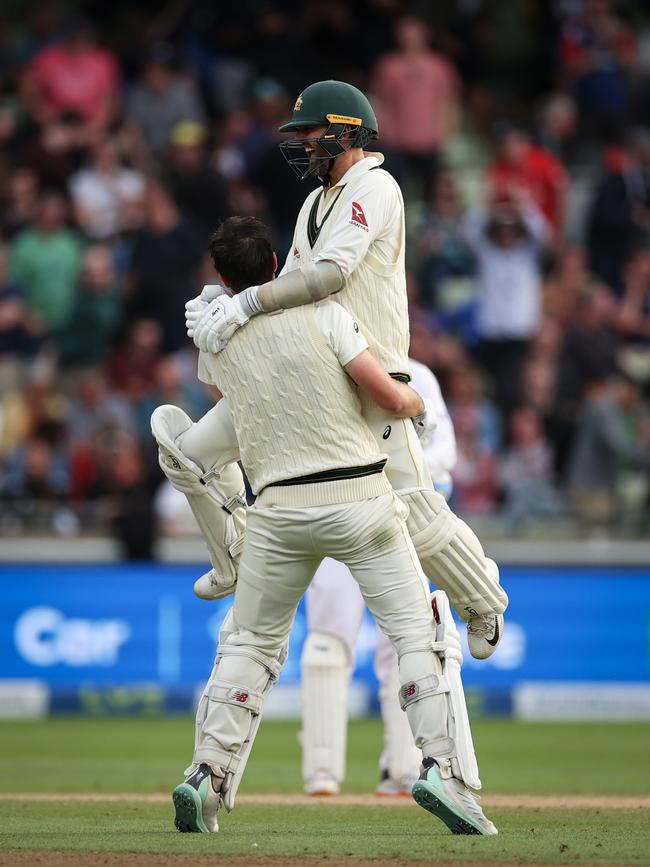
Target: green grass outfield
(146, 756)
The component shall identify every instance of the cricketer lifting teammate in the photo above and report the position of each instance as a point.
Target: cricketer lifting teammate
(318, 474)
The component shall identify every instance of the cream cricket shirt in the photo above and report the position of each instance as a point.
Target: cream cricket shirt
(359, 224)
(295, 412)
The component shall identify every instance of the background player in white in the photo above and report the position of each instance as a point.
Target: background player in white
(317, 473)
(335, 611)
(349, 241)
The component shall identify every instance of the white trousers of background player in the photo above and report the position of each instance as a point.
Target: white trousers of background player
(335, 610)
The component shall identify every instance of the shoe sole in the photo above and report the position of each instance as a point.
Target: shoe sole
(426, 796)
(189, 808)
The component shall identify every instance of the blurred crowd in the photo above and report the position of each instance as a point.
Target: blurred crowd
(520, 134)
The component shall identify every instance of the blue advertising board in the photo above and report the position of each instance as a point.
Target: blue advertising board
(109, 625)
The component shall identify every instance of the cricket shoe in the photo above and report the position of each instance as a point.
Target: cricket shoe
(197, 803)
(389, 787)
(212, 586)
(451, 801)
(484, 633)
(322, 783)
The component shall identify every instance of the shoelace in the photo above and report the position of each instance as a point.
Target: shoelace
(481, 625)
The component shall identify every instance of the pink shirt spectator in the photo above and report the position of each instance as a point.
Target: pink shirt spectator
(417, 100)
(85, 81)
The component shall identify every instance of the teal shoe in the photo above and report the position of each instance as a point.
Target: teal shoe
(197, 803)
(451, 801)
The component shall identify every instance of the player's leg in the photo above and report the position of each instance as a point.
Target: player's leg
(275, 569)
(334, 613)
(396, 591)
(215, 493)
(449, 551)
(400, 759)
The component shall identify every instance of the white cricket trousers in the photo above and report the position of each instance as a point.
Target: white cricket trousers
(284, 546)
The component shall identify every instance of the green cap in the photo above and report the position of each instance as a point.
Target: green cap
(327, 102)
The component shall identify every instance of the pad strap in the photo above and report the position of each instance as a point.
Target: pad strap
(416, 690)
(238, 696)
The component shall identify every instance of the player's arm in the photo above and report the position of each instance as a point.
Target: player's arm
(393, 396)
(343, 336)
(376, 206)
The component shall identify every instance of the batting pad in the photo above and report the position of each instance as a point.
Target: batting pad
(324, 685)
(400, 757)
(217, 500)
(463, 762)
(451, 555)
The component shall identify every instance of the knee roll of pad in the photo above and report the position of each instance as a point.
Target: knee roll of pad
(451, 555)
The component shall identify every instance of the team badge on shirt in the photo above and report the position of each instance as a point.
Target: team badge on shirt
(296, 253)
(358, 216)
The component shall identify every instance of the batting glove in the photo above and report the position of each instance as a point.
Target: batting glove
(221, 318)
(196, 306)
(425, 424)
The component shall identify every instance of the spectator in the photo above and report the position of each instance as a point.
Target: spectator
(445, 260)
(198, 189)
(74, 78)
(521, 165)
(37, 480)
(557, 127)
(508, 243)
(124, 490)
(619, 214)
(102, 191)
(633, 319)
(20, 202)
(20, 330)
(97, 313)
(417, 91)
(167, 255)
(45, 261)
(464, 391)
(161, 98)
(614, 433)
(596, 49)
(131, 367)
(475, 475)
(567, 283)
(95, 409)
(527, 472)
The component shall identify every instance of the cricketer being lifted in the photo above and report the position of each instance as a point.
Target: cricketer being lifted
(335, 610)
(349, 242)
(318, 474)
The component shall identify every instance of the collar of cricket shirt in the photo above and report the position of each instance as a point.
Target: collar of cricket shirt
(371, 161)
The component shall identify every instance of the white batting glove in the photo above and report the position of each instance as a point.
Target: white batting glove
(195, 306)
(217, 323)
(425, 424)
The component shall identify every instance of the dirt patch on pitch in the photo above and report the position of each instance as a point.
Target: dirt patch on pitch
(507, 802)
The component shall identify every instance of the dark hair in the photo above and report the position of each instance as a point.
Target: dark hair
(242, 253)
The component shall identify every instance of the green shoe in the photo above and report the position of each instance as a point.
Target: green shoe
(451, 801)
(197, 803)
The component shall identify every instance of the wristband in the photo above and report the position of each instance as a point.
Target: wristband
(249, 301)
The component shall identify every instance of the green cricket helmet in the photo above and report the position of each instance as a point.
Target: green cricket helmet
(338, 106)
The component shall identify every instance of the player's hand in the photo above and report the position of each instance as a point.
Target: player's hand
(217, 323)
(196, 306)
(425, 424)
